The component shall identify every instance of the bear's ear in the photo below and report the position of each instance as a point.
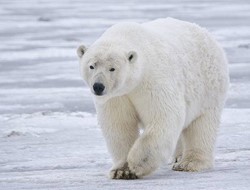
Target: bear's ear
(132, 56)
(81, 50)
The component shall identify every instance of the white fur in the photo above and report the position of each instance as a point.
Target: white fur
(175, 86)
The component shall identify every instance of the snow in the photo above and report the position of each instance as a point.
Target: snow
(49, 136)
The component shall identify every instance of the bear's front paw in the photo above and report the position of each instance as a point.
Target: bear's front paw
(193, 163)
(123, 173)
(176, 159)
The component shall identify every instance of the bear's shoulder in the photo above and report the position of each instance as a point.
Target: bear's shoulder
(123, 33)
(124, 29)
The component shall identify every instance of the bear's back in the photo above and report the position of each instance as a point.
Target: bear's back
(124, 30)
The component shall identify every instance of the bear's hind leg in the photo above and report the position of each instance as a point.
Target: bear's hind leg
(199, 139)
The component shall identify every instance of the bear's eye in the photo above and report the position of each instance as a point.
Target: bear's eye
(91, 67)
(112, 69)
(130, 57)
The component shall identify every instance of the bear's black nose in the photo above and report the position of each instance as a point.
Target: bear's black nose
(98, 88)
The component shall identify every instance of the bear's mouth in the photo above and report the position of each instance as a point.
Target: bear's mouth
(98, 94)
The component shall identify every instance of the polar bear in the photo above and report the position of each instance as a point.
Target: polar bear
(159, 89)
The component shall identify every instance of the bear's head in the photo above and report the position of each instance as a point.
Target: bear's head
(109, 71)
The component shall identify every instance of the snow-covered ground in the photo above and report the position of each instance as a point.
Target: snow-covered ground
(49, 138)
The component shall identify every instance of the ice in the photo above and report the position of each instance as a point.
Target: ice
(49, 136)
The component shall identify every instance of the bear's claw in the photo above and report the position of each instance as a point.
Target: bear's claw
(124, 173)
